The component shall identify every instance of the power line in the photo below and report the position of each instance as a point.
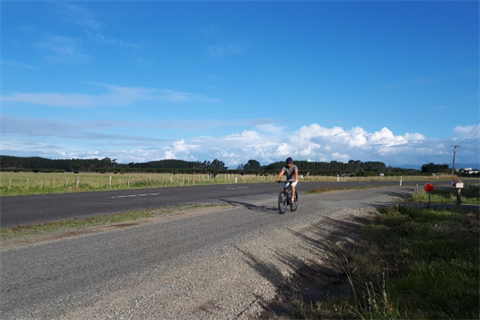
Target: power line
(474, 137)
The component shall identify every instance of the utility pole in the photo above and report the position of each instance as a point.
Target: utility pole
(454, 148)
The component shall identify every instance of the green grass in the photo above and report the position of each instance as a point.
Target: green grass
(411, 263)
(470, 195)
(80, 224)
(24, 183)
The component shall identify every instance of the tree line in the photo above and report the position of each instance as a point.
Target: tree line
(352, 167)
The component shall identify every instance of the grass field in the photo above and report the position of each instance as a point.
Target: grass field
(23, 183)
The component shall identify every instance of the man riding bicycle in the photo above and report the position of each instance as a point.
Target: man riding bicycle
(291, 171)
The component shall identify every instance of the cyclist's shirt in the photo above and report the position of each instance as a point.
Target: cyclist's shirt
(290, 172)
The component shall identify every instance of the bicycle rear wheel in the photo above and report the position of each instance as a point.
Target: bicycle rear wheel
(282, 202)
(294, 206)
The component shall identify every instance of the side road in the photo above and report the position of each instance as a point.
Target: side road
(218, 264)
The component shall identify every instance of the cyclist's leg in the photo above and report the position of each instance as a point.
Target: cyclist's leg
(294, 184)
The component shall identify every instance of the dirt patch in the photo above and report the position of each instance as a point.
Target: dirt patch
(63, 234)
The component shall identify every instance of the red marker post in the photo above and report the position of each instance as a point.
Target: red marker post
(429, 188)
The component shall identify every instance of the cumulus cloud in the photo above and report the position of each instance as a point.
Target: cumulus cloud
(180, 150)
(264, 142)
(466, 131)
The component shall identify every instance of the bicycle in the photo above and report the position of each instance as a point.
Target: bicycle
(285, 197)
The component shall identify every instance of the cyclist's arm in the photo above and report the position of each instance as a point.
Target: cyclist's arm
(296, 175)
(280, 175)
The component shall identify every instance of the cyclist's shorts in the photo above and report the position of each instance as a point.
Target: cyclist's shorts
(294, 184)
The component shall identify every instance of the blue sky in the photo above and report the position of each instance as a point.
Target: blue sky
(138, 81)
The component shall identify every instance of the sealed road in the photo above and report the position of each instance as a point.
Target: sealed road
(32, 209)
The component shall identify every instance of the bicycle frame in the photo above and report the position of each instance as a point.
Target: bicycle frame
(285, 196)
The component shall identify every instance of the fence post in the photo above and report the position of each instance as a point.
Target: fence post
(128, 183)
(10, 183)
(78, 181)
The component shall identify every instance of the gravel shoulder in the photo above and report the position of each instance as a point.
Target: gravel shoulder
(228, 279)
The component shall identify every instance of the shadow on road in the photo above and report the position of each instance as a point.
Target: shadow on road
(315, 278)
(251, 207)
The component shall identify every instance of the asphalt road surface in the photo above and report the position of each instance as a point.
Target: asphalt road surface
(217, 264)
(34, 209)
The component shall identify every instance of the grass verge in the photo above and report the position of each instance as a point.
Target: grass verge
(470, 195)
(102, 220)
(326, 189)
(411, 263)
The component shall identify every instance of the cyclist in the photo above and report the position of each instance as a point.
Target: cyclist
(291, 171)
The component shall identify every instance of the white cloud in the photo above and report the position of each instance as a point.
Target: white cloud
(385, 137)
(179, 150)
(340, 156)
(61, 49)
(78, 15)
(264, 143)
(465, 131)
(116, 96)
(414, 137)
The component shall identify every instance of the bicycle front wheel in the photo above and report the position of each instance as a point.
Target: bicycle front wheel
(282, 202)
(294, 206)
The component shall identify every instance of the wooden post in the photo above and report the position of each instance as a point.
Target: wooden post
(110, 181)
(128, 183)
(78, 181)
